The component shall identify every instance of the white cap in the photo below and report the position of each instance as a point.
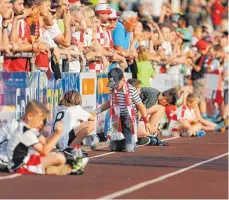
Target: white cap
(113, 14)
(102, 8)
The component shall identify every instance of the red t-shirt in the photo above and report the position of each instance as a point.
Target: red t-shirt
(22, 64)
(170, 111)
(218, 11)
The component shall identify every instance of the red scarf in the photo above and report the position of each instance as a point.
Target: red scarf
(115, 110)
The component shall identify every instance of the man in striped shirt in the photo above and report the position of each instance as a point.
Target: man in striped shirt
(126, 98)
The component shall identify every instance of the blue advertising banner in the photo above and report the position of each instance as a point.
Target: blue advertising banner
(18, 88)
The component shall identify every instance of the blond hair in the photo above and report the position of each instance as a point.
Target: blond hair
(88, 12)
(142, 53)
(191, 98)
(35, 107)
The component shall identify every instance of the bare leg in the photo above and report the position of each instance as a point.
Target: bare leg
(54, 164)
(225, 111)
(142, 131)
(195, 128)
(82, 131)
(202, 107)
(191, 128)
(156, 112)
(207, 128)
(53, 159)
(207, 124)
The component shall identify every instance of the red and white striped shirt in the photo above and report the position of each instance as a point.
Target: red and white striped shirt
(183, 113)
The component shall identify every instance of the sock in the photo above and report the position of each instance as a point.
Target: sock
(204, 115)
(216, 114)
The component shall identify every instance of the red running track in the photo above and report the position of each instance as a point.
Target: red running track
(118, 171)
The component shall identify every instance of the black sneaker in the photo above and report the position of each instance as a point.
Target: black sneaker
(143, 141)
(154, 141)
(85, 154)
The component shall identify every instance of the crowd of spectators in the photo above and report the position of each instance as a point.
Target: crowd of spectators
(144, 37)
(99, 37)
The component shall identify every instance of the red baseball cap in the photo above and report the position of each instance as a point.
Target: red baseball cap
(202, 45)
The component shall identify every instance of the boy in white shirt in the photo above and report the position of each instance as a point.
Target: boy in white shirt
(78, 123)
(29, 152)
(184, 121)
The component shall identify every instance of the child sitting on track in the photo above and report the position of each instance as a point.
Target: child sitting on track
(78, 124)
(28, 151)
(184, 121)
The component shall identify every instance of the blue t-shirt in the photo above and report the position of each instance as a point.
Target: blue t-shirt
(121, 37)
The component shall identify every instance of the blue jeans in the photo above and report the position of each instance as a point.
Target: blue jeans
(128, 144)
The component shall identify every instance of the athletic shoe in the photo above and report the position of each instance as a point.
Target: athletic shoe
(154, 141)
(85, 154)
(59, 170)
(92, 141)
(143, 141)
(79, 166)
(200, 133)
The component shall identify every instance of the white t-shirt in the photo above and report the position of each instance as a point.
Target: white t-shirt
(19, 147)
(71, 117)
(46, 38)
(157, 7)
(168, 48)
(5, 134)
(54, 31)
(215, 65)
(185, 113)
(84, 37)
(20, 25)
(182, 112)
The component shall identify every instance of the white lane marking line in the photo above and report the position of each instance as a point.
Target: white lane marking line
(105, 154)
(161, 178)
(9, 176)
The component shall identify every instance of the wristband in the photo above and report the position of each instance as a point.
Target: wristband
(98, 111)
(145, 120)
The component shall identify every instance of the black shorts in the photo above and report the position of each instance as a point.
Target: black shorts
(72, 136)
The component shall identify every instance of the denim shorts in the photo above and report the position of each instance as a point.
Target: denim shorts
(128, 144)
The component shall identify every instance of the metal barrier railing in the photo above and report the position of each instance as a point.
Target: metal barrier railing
(32, 60)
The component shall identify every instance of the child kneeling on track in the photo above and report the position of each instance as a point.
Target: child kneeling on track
(29, 151)
(123, 102)
(78, 124)
(184, 121)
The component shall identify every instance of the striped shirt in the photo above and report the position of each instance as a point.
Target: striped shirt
(135, 99)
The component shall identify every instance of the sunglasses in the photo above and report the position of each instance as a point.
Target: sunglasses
(113, 20)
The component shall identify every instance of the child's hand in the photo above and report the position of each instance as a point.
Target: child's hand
(59, 128)
(192, 121)
(93, 113)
